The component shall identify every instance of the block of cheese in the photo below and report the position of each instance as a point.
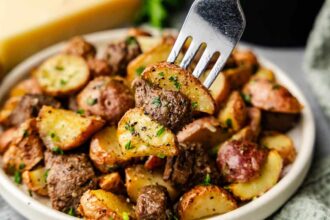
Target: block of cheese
(26, 26)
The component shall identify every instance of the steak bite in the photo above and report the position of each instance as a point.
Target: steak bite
(152, 203)
(68, 178)
(191, 167)
(80, 47)
(240, 161)
(29, 107)
(169, 108)
(119, 54)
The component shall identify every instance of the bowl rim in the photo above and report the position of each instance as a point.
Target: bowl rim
(256, 209)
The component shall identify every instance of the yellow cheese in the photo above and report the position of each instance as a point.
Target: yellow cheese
(26, 26)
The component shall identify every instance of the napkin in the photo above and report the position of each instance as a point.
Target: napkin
(312, 200)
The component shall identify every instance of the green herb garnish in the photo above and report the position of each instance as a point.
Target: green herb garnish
(59, 68)
(57, 150)
(207, 180)
(160, 131)
(229, 123)
(128, 145)
(156, 101)
(91, 101)
(63, 82)
(130, 40)
(71, 212)
(25, 134)
(18, 177)
(125, 216)
(139, 70)
(174, 79)
(276, 86)
(161, 156)
(129, 128)
(80, 111)
(194, 105)
(161, 74)
(45, 175)
(246, 98)
(21, 166)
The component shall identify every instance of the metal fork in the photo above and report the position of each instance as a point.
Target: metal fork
(217, 23)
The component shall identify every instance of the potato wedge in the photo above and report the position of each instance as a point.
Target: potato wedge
(26, 149)
(245, 57)
(62, 75)
(148, 43)
(137, 177)
(157, 54)
(7, 109)
(6, 138)
(270, 96)
(27, 86)
(282, 143)
(233, 113)
(264, 73)
(105, 151)
(112, 182)
(238, 76)
(245, 133)
(64, 129)
(269, 176)
(100, 204)
(138, 135)
(36, 180)
(172, 77)
(220, 89)
(205, 201)
(205, 130)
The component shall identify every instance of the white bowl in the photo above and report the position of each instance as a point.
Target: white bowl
(303, 135)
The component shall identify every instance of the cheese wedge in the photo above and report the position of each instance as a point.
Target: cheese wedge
(26, 26)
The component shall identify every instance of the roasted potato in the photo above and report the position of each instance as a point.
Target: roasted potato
(264, 73)
(25, 151)
(172, 77)
(245, 57)
(100, 204)
(112, 182)
(281, 143)
(148, 43)
(205, 201)
(27, 86)
(138, 135)
(106, 97)
(233, 113)
(245, 133)
(8, 108)
(270, 96)
(237, 76)
(276, 121)
(64, 129)
(157, 54)
(269, 176)
(105, 151)
(206, 131)
(6, 138)
(36, 180)
(62, 75)
(137, 177)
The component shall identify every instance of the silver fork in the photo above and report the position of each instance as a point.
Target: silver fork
(217, 23)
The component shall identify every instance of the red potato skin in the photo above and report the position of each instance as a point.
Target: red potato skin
(240, 161)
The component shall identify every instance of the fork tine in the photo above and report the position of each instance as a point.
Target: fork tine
(203, 62)
(177, 48)
(215, 70)
(190, 54)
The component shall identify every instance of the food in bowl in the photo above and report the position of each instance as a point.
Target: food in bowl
(126, 135)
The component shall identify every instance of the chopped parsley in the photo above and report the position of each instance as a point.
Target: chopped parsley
(194, 105)
(25, 134)
(71, 212)
(161, 156)
(246, 98)
(30, 193)
(18, 177)
(91, 101)
(80, 111)
(156, 101)
(63, 82)
(139, 70)
(161, 74)
(125, 216)
(174, 79)
(276, 86)
(229, 123)
(207, 180)
(128, 145)
(59, 68)
(160, 131)
(21, 166)
(110, 218)
(54, 136)
(130, 40)
(57, 150)
(112, 168)
(129, 128)
(45, 175)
